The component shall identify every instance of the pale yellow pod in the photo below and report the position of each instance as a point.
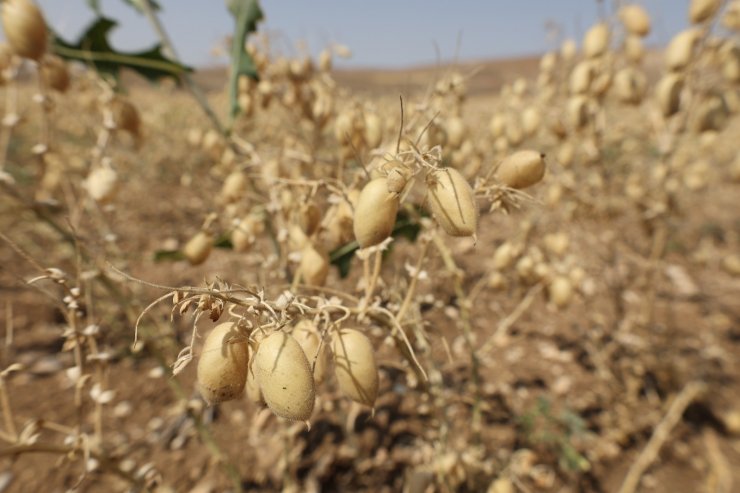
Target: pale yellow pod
(531, 121)
(55, 73)
(284, 376)
(514, 132)
(635, 19)
(373, 130)
(198, 248)
(521, 169)
(581, 77)
(560, 291)
(578, 111)
(102, 184)
(455, 129)
(630, 85)
(566, 153)
(680, 50)
(601, 84)
(731, 17)
(25, 28)
(568, 50)
(497, 126)
(596, 40)
(668, 93)
(452, 202)
(548, 62)
(307, 335)
(711, 114)
(375, 213)
(702, 10)
(234, 187)
(246, 232)
(731, 64)
(504, 256)
(519, 87)
(355, 366)
(223, 363)
(314, 266)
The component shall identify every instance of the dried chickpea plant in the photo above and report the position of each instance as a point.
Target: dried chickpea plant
(520, 282)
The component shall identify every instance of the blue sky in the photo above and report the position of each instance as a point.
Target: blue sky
(381, 33)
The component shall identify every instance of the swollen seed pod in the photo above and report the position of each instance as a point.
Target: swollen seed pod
(373, 130)
(397, 180)
(578, 111)
(596, 40)
(355, 366)
(25, 28)
(455, 128)
(635, 19)
(452, 202)
(566, 153)
(521, 169)
(102, 184)
(548, 62)
(497, 126)
(680, 50)
(222, 366)
(246, 232)
(314, 266)
(568, 50)
(711, 114)
(233, 188)
(560, 291)
(55, 73)
(375, 213)
(702, 10)
(668, 93)
(504, 256)
(581, 77)
(284, 376)
(630, 85)
(307, 335)
(530, 121)
(197, 249)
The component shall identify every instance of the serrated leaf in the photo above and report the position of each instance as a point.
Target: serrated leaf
(247, 13)
(93, 48)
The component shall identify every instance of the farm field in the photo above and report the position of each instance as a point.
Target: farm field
(492, 276)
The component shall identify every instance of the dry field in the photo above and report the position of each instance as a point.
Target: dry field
(572, 331)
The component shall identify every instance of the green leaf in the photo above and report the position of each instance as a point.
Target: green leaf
(247, 13)
(94, 5)
(224, 241)
(93, 48)
(168, 256)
